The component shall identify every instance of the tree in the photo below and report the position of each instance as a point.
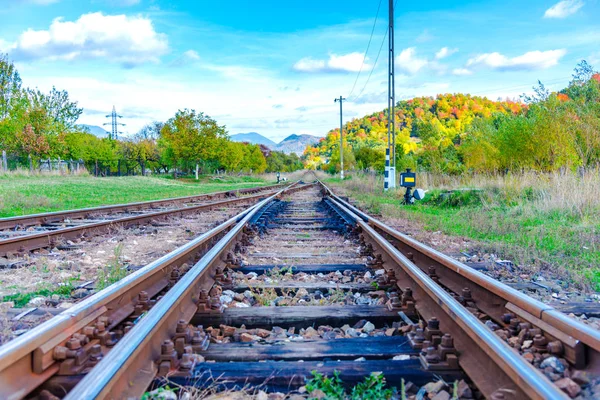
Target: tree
(192, 139)
(10, 86)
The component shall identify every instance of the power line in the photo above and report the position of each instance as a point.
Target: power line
(373, 68)
(366, 51)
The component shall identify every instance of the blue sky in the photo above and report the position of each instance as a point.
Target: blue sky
(275, 67)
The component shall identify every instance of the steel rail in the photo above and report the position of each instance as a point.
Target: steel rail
(26, 361)
(48, 238)
(57, 216)
(490, 291)
(503, 368)
(127, 370)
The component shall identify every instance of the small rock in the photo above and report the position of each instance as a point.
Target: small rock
(463, 390)
(368, 275)
(162, 394)
(262, 395)
(241, 305)
(351, 332)
(263, 333)
(225, 299)
(554, 363)
(246, 337)
(361, 359)
(390, 331)
(239, 297)
(301, 293)
(368, 327)
(568, 386)
(434, 387)
(401, 357)
(443, 395)
(317, 394)
(38, 301)
(527, 344)
(580, 377)
(380, 272)
(79, 293)
(529, 357)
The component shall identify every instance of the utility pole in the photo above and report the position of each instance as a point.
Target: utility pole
(114, 134)
(390, 168)
(341, 100)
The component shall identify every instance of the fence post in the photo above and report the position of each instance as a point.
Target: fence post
(96, 169)
(4, 161)
(30, 161)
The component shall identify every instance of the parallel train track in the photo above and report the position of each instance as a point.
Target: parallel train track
(32, 232)
(444, 319)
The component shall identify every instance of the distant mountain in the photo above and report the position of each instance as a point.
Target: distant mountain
(254, 138)
(94, 130)
(296, 143)
(291, 144)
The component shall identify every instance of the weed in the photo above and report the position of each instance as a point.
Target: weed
(373, 388)
(375, 285)
(114, 271)
(63, 290)
(332, 387)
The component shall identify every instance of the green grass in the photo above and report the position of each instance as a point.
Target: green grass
(509, 223)
(21, 195)
(21, 299)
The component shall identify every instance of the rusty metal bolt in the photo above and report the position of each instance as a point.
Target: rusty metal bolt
(181, 326)
(203, 294)
(431, 270)
(432, 357)
(556, 348)
(73, 344)
(100, 326)
(447, 341)
(96, 352)
(540, 342)
(466, 294)
(167, 347)
(187, 362)
(143, 296)
(514, 323)
(175, 274)
(524, 325)
(60, 353)
(433, 323)
(410, 256)
(419, 336)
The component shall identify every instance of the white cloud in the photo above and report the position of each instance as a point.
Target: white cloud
(462, 71)
(117, 38)
(409, 63)
(563, 9)
(192, 55)
(445, 52)
(529, 61)
(351, 62)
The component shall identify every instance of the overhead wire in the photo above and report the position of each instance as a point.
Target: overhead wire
(367, 50)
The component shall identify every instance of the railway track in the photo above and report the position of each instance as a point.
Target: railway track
(303, 276)
(32, 232)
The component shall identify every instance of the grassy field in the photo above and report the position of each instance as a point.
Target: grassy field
(539, 221)
(23, 194)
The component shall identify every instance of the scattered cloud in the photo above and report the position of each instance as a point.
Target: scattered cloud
(444, 52)
(192, 55)
(409, 63)
(277, 106)
(188, 57)
(372, 98)
(351, 62)
(461, 71)
(425, 36)
(563, 9)
(127, 40)
(529, 61)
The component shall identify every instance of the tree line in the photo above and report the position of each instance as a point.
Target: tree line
(36, 125)
(457, 133)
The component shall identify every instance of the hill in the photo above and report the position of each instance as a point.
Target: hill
(296, 143)
(458, 133)
(253, 138)
(95, 130)
(291, 144)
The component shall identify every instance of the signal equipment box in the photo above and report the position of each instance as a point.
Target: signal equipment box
(408, 179)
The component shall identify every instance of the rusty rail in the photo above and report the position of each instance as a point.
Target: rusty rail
(489, 362)
(27, 361)
(39, 240)
(128, 369)
(57, 216)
